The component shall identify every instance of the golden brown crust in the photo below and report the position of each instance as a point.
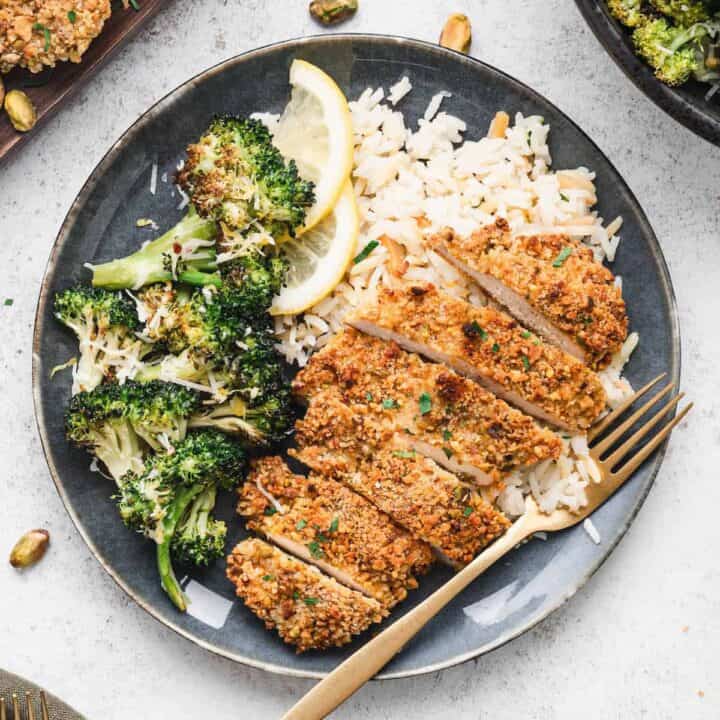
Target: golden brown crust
(39, 33)
(413, 490)
(556, 275)
(465, 422)
(337, 527)
(308, 609)
(494, 346)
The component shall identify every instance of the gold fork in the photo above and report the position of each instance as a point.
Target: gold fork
(376, 653)
(29, 707)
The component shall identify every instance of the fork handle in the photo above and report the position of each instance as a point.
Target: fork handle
(362, 665)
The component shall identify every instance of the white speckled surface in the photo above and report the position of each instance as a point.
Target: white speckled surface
(641, 640)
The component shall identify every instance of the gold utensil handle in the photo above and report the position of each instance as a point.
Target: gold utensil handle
(360, 667)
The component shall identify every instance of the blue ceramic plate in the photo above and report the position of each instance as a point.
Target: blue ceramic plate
(515, 595)
(687, 103)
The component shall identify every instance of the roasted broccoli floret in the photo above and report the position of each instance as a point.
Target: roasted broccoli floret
(200, 538)
(671, 52)
(171, 501)
(261, 423)
(157, 412)
(683, 12)
(105, 324)
(628, 12)
(186, 253)
(235, 175)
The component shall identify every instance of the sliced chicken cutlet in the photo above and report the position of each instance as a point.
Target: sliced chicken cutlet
(434, 505)
(308, 609)
(434, 411)
(325, 523)
(550, 283)
(491, 348)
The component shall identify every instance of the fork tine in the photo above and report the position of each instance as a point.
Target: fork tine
(631, 465)
(635, 438)
(594, 431)
(29, 709)
(16, 707)
(607, 442)
(43, 706)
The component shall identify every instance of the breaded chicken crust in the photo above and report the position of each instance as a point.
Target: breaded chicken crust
(308, 609)
(555, 275)
(35, 34)
(462, 427)
(329, 525)
(491, 348)
(434, 505)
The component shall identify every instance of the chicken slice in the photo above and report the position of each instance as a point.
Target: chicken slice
(460, 425)
(491, 348)
(308, 609)
(550, 283)
(434, 505)
(328, 525)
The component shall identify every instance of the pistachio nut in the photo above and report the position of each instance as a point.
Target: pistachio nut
(20, 110)
(330, 12)
(30, 548)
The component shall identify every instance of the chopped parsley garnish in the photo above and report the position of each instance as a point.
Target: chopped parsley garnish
(525, 361)
(529, 138)
(563, 255)
(495, 348)
(8, 302)
(564, 197)
(365, 251)
(473, 329)
(408, 431)
(334, 525)
(310, 601)
(72, 16)
(446, 435)
(135, 5)
(369, 397)
(296, 595)
(389, 403)
(270, 510)
(315, 550)
(467, 511)
(448, 452)
(45, 31)
(300, 524)
(526, 334)
(425, 402)
(404, 453)
(267, 578)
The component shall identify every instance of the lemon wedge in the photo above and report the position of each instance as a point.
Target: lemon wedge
(319, 258)
(315, 130)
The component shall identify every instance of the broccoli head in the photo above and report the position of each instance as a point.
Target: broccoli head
(200, 538)
(185, 253)
(683, 12)
(628, 12)
(235, 175)
(105, 324)
(670, 51)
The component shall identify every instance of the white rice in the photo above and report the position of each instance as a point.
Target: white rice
(401, 175)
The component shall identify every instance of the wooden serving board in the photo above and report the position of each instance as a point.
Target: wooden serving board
(52, 87)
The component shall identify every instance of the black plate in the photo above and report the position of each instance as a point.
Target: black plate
(101, 224)
(686, 103)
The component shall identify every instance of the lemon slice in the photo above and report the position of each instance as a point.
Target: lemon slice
(319, 259)
(315, 130)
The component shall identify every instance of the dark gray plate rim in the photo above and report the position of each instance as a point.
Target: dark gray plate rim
(684, 104)
(101, 168)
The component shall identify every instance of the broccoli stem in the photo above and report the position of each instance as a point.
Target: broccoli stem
(149, 264)
(175, 513)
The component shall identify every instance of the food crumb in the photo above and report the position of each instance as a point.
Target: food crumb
(9, 301)
(701, 694)
(685, 628)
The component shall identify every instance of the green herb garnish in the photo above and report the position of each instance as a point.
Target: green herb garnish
(300, 524)
(448, 452)
(72, 16)
(296, 595)
(389, 403)
(473, 329)
(369, 397)
(495, 348)
(8, 302)
(563, 255)
(446, 435)
(315, 550)
(270, 510)
(365, 251)
(45, 31)
(525, 361)
(311, 601)
(467, 511)
(135, 5)
(564, 197)
(267, 578)
(526, 334)
(407, 454)
(334, 525)
(425, 402)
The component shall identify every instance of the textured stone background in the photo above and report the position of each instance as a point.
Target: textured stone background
(619, 648)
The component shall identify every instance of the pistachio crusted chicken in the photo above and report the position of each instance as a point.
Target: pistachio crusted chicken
(550, 283)
(326, 524)
(35, 34)
(491, 348)
(308, 609)
(434, 505)
(426, 407)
